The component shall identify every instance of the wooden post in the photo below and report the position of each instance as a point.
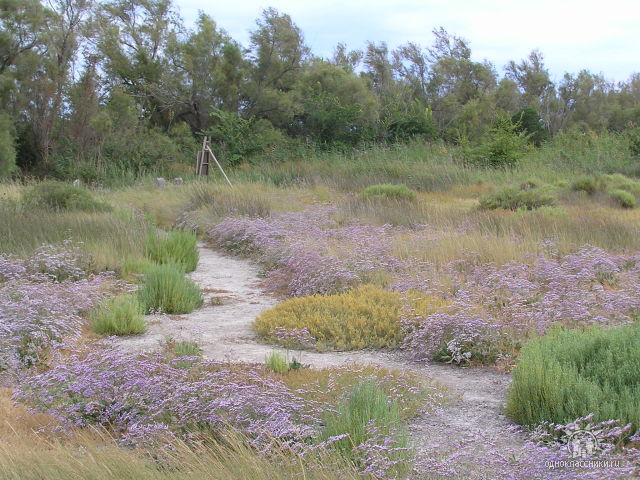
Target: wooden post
(203, 159)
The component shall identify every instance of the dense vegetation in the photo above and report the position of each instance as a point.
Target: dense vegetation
(86, 93)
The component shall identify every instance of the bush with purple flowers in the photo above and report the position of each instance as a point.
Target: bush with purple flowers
(43, 299)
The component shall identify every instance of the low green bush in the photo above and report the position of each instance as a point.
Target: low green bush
(514, 199)
(165, 289)
(178, 247)
(623, 198)
(585, 184)
(568, 374)
(121, 315)
(387, 191)
(62, 196)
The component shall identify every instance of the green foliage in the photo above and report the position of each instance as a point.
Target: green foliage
(366, 403)
(121, 315)
(396, 192)
(585, 184)
(277, 362)
(633, 137)
(177, 247)
(503, 147)
(528, 121)
(238, 138)
(623, 198)
(513, 199)
(568, 374)
(178, 349)
(62, 196)
(165, 289)
(7, 146)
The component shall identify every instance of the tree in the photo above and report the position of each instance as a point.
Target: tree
(277, 55)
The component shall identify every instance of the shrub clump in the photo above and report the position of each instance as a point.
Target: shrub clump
(514, 199)
(177, 247)
(165, 289)
(568, 374)
(623, 198)
(365, 317)
(387, 191)
(121, 315)
(585, 184)
(62, 196)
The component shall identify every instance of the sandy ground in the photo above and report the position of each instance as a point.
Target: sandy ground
(224, 333)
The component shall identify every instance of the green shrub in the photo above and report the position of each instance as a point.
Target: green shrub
(568, 374)
(617, 181)
(503, 147)
(585, 184)
(276, 362)
(623, 198)
(366, 403)
(62, 196)
(513, 199)
(165, 289)
(121, 315)
(386, 191)
(177, 247)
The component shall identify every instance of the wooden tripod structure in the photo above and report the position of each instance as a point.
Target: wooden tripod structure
(203, 159)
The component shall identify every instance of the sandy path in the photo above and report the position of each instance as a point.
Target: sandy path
(224, 333)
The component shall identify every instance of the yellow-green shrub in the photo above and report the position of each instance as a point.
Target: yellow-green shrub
(366, 317)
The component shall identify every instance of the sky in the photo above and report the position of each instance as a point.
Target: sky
(601, 36)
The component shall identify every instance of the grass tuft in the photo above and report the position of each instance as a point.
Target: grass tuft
(165, 289)
(177, 247)
(277, 363)
(121, 315)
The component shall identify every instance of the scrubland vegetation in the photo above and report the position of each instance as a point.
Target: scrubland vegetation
(410, 203)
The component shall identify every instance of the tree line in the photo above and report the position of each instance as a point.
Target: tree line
(89, 87)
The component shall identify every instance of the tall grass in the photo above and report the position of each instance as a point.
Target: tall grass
(165, 289)
(438, 166)
(109, 237)
(364, 413)
(121, 315)
(177, 247)
(569, 374)
(95, 456)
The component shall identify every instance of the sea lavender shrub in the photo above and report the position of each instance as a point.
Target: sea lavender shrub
(39, 317)
(176, 247)
(572, 373)
(494, 309)
(143, 397)
(310, 252)
(120, 315)
(165, 289)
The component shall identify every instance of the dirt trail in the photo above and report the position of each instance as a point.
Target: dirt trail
(224, 333)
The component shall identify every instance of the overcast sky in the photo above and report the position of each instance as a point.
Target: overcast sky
(601, 36)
